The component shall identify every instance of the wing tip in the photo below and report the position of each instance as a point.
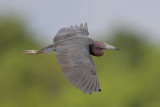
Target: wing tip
(99, 90)
(90, 92)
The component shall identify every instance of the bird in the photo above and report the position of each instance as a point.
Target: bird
(73, 52)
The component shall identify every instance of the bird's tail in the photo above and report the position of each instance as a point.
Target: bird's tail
(31, 51)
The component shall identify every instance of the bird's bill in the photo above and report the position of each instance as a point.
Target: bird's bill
(110, 47)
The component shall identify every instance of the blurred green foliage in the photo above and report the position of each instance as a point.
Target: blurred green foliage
(128, 78)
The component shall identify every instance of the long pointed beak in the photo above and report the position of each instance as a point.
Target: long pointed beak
(110, 47)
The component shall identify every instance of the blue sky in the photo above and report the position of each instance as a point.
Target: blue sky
(47, 16)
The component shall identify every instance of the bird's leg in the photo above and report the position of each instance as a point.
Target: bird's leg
(46, 49)
(49, 48)
(31, 51)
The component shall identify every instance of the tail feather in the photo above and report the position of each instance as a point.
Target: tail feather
(31, 51)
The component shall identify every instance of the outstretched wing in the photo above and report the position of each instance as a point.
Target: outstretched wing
(76, 64)
(72, 31)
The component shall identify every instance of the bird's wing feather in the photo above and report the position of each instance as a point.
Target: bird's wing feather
(65, 33)
(76, 64)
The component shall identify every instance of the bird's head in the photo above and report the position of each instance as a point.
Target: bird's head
(98, 47)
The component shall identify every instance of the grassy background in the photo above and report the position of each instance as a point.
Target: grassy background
(128, 78)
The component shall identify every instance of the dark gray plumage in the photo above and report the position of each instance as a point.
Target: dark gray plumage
(74, 58)
(76, 64)
(73, 50)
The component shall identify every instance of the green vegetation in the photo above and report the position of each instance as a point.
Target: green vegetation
(128, 78)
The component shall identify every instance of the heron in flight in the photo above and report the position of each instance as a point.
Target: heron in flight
(73, 49)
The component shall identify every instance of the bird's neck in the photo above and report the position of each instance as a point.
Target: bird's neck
(95, 51)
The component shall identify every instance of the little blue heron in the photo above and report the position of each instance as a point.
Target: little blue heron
(73, 49)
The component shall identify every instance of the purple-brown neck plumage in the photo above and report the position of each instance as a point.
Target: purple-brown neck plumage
(97, 48)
